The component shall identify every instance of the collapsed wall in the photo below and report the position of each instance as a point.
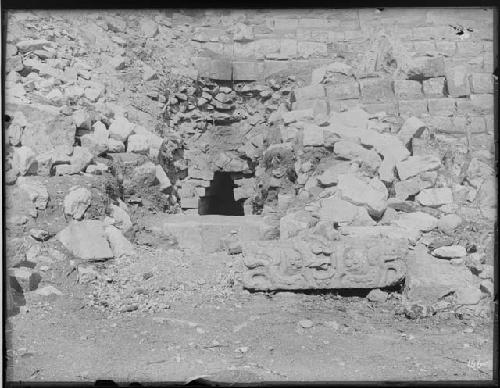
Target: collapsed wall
(371, 124)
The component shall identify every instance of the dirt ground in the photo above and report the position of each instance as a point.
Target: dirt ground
(184, 327)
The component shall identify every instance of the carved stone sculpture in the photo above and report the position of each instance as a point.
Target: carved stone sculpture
(318, 263)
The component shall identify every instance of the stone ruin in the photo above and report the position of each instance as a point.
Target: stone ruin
(345, 138)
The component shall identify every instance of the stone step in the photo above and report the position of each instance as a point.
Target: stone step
(206, 232)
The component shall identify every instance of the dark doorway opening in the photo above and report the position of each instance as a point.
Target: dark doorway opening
(219, 198)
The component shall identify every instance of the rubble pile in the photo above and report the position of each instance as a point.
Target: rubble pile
(370, 168)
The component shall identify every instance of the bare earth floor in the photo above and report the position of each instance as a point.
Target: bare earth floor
(245, 337)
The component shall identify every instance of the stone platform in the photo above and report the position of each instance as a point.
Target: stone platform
(206, 232)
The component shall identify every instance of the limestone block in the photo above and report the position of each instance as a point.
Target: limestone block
(343, 90)
(319, 263)
(407, 89)
(434, 87)
(376, 90)
(457, 80)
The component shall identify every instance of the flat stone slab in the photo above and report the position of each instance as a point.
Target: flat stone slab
(315, 264)
(86, 240)
(206, 232)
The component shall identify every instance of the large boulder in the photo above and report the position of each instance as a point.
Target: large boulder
(428, 278)
(87, 240)
(353, 151)
(336, 210)
(417, 164)
(372, 194)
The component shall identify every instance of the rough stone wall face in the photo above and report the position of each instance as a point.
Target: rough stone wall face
(447, 54)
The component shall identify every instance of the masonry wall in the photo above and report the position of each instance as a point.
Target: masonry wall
(436, 64)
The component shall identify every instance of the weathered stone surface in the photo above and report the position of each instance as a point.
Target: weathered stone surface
(377, 296)
(417, 164)
(120, 246)
(40, 234)
(36, 191)
(33, 44)
(414, 185)
(442, 106)
(381, 231)
(426, 67)
(292, 223)
(385, 144)
(96, 145)
(319, 263)
(120, 129)
(418, 220)
(412, 127)
(448, 223)
(376, 90)
(482, 83)
(76, 202)
(309, 92)
(46, 129)
(163, 180)
(312, 135)
(342, 212)
(86, 240)
(352, 151)
(387, 170)
(330, 176)
(434, 87)
(205, 232)
(115, 145)
(407, 89)
(468, 295)
(80, 159)
(26, 278)
(47, 291)
(487, 199)
(138, 144)
(120, 218)
(457, 81)
(450, 251)
(343, 90)
(429, 278)
(297, 115)
(24, 161)
(142, 176)
(435, 197)
(371, 194)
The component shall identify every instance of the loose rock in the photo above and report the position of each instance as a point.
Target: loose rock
(377, 295)
(435, 197)
(76, 202)
(86, 240)
(450, 252)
